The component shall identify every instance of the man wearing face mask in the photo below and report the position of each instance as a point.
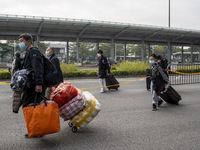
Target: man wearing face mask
(158, 81)
(33, 61)
(103, 70)
(50, 53)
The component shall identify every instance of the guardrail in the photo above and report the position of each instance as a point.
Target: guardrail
(184, 73)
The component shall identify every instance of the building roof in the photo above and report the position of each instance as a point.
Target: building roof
(63, 29)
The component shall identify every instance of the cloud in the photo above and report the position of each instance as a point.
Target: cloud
(184, 13)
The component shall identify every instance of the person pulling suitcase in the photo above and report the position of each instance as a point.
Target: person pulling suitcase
(158, 81)
(103, 70)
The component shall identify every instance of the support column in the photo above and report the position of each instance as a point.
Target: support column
(112, 52)
(143, 50)
(97, 46)
(169, 51)
(191, 52)
(36, 41)
(124, 51)
(149, 50)
(182, 54)
(67, 52)
(14, 48)
(77, 50)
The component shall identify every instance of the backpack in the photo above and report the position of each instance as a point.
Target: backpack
(50, 73)
(164, 63)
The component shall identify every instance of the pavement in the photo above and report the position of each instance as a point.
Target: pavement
(126, 122)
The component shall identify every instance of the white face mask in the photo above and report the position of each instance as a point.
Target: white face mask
(151, 61)
(99, 55)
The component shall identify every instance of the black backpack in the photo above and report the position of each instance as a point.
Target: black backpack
(50, 73)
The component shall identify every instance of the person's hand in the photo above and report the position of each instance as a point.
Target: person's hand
(38, 88)
(169, 83)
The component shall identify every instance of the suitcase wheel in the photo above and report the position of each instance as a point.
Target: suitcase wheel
(74, 129)
(70, 124)
(116, 89)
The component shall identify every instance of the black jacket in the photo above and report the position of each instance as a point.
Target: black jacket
(18, 64)
(33, 60)
(103, 67)
(54, 59)
(159, 78)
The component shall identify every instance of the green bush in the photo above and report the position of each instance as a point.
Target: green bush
(71, 70)
(68, 67)
(5, 74)
(188, 69)
(81, 73)
(134, 68)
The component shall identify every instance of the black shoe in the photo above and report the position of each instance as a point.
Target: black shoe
(154, 107)
(26, 136)
(160, 102)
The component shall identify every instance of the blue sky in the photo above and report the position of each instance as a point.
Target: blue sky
(184, 13)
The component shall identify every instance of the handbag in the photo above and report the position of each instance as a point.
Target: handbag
(42, 118)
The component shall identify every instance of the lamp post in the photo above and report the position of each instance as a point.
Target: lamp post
(169, 16)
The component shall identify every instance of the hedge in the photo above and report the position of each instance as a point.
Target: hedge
(188, 69)
(5, 74)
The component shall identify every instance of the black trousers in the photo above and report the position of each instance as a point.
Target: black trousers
(29, 95)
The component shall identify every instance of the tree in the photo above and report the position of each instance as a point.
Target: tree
(43, 46)
(7, 50)
(86, 50)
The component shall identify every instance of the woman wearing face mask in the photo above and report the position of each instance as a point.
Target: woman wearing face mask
(158, 81)
(104, 69)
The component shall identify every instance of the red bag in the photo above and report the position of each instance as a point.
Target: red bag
(63, 93)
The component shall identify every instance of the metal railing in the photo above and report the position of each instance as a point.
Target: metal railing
(184, 73)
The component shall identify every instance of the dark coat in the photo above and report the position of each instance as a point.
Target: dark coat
(18, 63)
(104, 67)
(33, 60)
(54, 59)
(159, 78)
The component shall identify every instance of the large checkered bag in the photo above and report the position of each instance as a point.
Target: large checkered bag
(91, 110)
(73, 107)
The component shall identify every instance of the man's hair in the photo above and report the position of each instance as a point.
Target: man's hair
(26, 36)
(154, 56)
(17, 54)
(100, 52)
(159, 57)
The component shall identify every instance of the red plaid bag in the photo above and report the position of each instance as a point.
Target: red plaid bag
(72, 108)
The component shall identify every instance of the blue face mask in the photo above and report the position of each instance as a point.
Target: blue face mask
(151, 61)
(22, 46)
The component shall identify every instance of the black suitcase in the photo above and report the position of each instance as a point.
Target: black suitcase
(148, 81)
(111, 80)
(170, 96)
(148, 84)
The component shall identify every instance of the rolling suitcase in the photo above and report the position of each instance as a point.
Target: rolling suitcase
(170, 96)
(148, 81)
(148, 84)
(84, 117)
(111, 80)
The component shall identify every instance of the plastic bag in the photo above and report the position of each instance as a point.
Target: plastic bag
(63, 93)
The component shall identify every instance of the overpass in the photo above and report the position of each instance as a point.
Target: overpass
(64, 29)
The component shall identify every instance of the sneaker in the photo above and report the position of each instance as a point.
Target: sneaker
(26, 136)
(154, 107)
(160, 102)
